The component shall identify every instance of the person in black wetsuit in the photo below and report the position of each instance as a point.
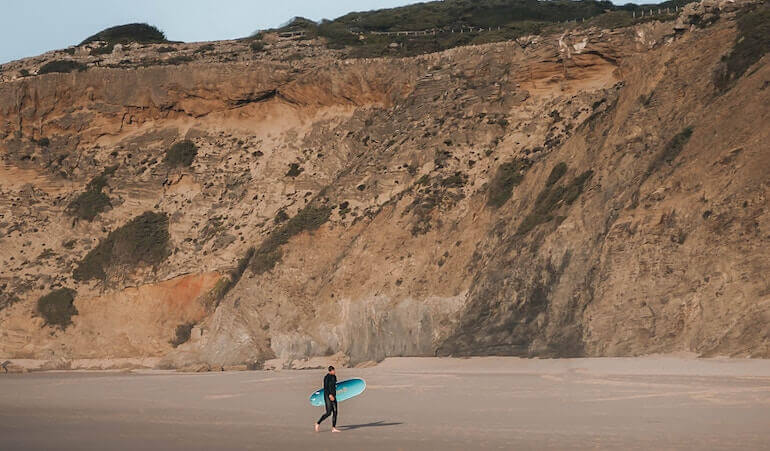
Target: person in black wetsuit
(330, 398)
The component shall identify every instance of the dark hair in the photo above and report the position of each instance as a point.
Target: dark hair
(331, 368)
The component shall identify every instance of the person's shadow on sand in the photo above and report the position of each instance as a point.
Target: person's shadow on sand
(368, 425)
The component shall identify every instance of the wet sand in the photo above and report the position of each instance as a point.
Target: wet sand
(410, 403)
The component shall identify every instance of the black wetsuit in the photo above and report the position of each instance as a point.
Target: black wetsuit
(330, 388)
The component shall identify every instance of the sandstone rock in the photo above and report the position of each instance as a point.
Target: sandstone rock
(338, 360)
(197, 368)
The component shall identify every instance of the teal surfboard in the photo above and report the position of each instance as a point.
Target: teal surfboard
(345, 390)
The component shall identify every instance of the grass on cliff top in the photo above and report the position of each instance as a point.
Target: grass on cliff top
(751, 44)
(375, 46)
(508, 176)
(61, 66)
(124, 34)
(269, 252)
(143, 240)
(477, 13)
(507, 19)
(182, 153)
(57, 307)
(552, 197)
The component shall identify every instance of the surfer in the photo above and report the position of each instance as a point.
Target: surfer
(330, 398)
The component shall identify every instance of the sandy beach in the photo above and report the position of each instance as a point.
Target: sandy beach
(410, 403)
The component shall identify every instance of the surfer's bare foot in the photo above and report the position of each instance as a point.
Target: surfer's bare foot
(335, 430)
(317, 427)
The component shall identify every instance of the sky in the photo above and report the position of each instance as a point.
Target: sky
(32, 27)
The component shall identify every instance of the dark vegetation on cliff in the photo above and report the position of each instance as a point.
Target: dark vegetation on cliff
(182, 153)
(552, 197)
(7, 298)
(124, 34)
(61, 66)
(225, 284)
(508, 176)
(751, 44)
(143, 240)
(671, 150)
(269, 253)
(182, 334)
(57, 307)
(92, 201)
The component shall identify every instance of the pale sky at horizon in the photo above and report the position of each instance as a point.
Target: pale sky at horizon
(32, 27)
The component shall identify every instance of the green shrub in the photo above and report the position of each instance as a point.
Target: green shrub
(508, 176)
(92, 201)
(751, 44)
(103, 50)
(124, 34)
(182, 334)
(44, 142)
(456, 180)
(7, 299)
(57, 307)
(178, 59)
(257, 46)
(281, 216)
(574, 189)
(89, 204)
(552, 197)
(205, 48)
(671, 150)
(556, 174)
(265, 261)
(166, 49)
(182, 153)
(61, 66)
(336, 34)
(269, 253)
(225, 284)
(294, 170)
(143, 240)
(611, 20)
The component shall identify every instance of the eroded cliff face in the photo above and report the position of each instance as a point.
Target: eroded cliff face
(588, 193)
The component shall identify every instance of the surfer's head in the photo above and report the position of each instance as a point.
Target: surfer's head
(331, 369)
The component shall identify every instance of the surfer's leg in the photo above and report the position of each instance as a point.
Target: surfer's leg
(328, 412)
(334, 415)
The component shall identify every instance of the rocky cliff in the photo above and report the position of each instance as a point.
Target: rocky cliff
(592, 192)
